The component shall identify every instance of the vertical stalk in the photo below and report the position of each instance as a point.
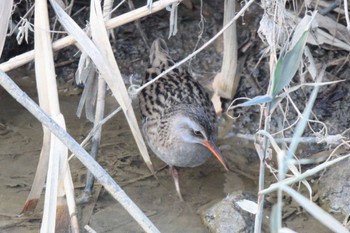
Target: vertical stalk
(261, 197)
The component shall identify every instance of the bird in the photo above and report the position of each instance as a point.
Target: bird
(178, 121)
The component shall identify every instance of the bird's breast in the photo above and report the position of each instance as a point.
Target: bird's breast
(183, 154)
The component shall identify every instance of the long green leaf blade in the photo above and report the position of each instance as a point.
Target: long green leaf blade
(288, 65)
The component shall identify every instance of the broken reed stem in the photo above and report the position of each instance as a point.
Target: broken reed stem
(228, 81)
(101, 175)
(55, 213)
(118, 21)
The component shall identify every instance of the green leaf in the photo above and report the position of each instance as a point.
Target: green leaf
(257, 100)
(288, 65)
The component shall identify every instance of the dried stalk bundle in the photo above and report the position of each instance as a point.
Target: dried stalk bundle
(227, 81)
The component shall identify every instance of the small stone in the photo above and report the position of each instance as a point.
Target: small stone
(334, 188)
(227, 216)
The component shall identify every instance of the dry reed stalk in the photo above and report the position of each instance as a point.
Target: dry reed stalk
(57, 152)
(131, 16)
(227, 82)
(46, 85)
(44, 70)
(114, 78)
(40, 175)
(62, 216)
(69, 188)
(5, 12)
(99, 114)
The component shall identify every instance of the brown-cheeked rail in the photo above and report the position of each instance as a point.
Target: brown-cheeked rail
(178, 119)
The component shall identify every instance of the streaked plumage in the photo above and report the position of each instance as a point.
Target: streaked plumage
(178, 119)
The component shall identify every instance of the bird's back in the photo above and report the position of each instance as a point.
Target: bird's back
(175, 89)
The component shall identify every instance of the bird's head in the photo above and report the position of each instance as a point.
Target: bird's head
(193, 128)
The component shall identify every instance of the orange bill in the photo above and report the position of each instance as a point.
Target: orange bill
(213, 149)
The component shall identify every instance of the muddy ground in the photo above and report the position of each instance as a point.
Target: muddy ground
(21, 136)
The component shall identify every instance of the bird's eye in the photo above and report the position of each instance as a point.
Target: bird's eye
(197, 133)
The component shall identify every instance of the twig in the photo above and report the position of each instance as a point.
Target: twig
(138, 26)
(329, 139)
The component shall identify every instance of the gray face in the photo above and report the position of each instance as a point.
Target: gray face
(196, 124)
(186, 141)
